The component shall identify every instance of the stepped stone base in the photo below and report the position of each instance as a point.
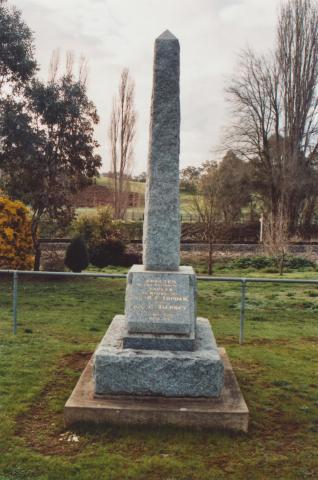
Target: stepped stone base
(159, 341)
(197, 373)
(153, 341)
(228, 411)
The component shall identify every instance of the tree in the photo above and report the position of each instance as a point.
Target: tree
(142, 177)
(276, 238)
(234, 187)
(206, 206)
(96, 227)
(49, 147)
(189, 177)
(17, 63)
(121, 137)
(275, 106)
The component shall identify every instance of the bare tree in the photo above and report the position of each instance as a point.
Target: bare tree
(276, 237)
(83, 70)
(206, 206)
(55, 64)
(275, 106)
(121, 136)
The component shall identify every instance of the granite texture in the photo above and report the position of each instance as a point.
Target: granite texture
(161, 236)
(160, 302)
(226, 412)
(157, 341)
(152, 372)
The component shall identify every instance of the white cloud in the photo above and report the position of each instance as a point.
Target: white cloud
(117, 33)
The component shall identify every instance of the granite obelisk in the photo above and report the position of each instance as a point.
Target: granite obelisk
(156, 360)
(160, 296)
(158, 347)
(161, 240)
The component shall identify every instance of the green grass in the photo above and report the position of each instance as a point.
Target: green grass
(186, 200)
(187, 204)
(138, 187)
(60, 324)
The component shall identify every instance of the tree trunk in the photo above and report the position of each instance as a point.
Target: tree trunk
(281, 264)
(210, 261)
(36, 244)
(308, 212)
(37, 258)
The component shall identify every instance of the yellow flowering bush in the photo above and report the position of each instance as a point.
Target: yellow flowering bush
(16, 246)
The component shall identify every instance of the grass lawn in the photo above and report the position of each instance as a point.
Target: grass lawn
(60, 323)
(134, 186)
(186, 200)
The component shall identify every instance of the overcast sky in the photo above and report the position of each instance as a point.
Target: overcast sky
(114, 34)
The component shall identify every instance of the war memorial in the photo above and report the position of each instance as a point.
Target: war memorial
(159, 364)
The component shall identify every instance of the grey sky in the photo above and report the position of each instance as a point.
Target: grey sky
(113, 34)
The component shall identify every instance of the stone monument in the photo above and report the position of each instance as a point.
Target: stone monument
(158, 351)
(159, 347)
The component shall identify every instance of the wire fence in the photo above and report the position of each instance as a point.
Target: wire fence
(138, 216)
(242, 281)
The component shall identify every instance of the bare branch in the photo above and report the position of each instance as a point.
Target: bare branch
(69, 63)
(274, 104)
(83, 70)
(54, 65)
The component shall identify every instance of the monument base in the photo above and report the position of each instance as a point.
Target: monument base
(118, 370)
(228, 411)
(157, 341)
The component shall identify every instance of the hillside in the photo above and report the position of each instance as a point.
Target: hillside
(138, 187)
(186, 199)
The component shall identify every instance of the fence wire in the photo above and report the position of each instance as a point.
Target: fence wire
(243, 281)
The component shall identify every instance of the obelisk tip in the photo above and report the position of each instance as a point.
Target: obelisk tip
(167, 35)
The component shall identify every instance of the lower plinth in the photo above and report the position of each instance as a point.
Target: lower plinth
(128, 371)
(227, 412)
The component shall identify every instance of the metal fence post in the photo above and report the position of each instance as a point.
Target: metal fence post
(242, 281)
(242, 310)
(15, 302)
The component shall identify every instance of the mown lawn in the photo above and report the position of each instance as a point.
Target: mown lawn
(136, 213)
(60, 323)
(134, 186)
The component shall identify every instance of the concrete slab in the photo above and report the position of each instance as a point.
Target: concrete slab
(227, 412)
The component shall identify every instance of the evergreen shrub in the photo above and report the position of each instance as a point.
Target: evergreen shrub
(76, 258)
(107, 252)
(16, 246)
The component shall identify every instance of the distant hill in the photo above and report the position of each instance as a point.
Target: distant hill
(100, 194)
(138, 187)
